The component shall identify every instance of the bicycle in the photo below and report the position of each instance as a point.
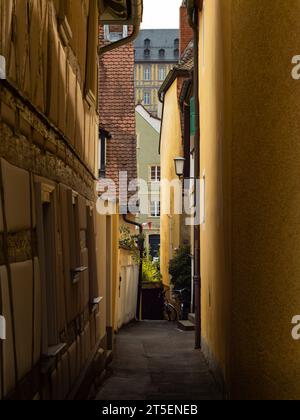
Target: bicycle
(169, 310)
(183, 296)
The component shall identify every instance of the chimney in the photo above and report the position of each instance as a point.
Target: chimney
(186, 32)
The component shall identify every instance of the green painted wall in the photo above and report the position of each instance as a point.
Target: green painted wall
(147, 156)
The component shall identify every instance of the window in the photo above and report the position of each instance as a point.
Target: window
(147, 53)
(162, 53)
(176, 43)
(161, 73)
(104, 136)
(176, 53)
(154, 245)
(147, 98)
(155, 209)
(147, 73)
(147, 43)
(115, 35)
(155, 173)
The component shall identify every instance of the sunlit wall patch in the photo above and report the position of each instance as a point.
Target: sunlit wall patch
(2, 67)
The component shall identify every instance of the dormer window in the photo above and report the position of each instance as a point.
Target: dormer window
(147, 52)
(176, 43)
(162, 53)
(147, 43)
(176, 53)
(114, 34)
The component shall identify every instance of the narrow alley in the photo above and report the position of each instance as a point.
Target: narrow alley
(156, 361)
(149, 200)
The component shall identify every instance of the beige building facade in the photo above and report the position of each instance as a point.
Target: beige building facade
(156, 52)
(55, 261)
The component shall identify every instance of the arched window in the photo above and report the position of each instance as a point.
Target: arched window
(147, 43)
(176, 43)
(176, 53)
(162, 53)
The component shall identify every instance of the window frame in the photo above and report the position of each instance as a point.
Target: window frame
(162, 69)
(147, 53)
(147, 103)
(114, 36)
(147, 73)
(156, 213)
(147, 43)
(162, 53)
(157, 169)
(104, 136)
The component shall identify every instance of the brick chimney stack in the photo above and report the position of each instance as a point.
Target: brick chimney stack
(186, 32)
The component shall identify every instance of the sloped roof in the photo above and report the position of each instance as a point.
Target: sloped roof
(159, 39)
(153, 121)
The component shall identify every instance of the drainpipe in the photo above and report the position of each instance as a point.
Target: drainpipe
(141, 244)
(193, 7)
(135, 21)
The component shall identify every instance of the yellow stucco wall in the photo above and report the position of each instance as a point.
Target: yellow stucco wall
(215, 141)
(250, 156)
(171, 147)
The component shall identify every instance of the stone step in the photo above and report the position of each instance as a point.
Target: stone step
(186, 326)
(192, 318)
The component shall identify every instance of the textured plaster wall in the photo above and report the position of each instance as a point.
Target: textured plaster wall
(266, 199)
(171, 147)
(250, 154)
(147, 156)
(214, 68)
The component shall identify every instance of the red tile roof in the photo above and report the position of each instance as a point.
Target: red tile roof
(117, 109)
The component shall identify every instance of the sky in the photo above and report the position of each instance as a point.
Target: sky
(161, 14)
